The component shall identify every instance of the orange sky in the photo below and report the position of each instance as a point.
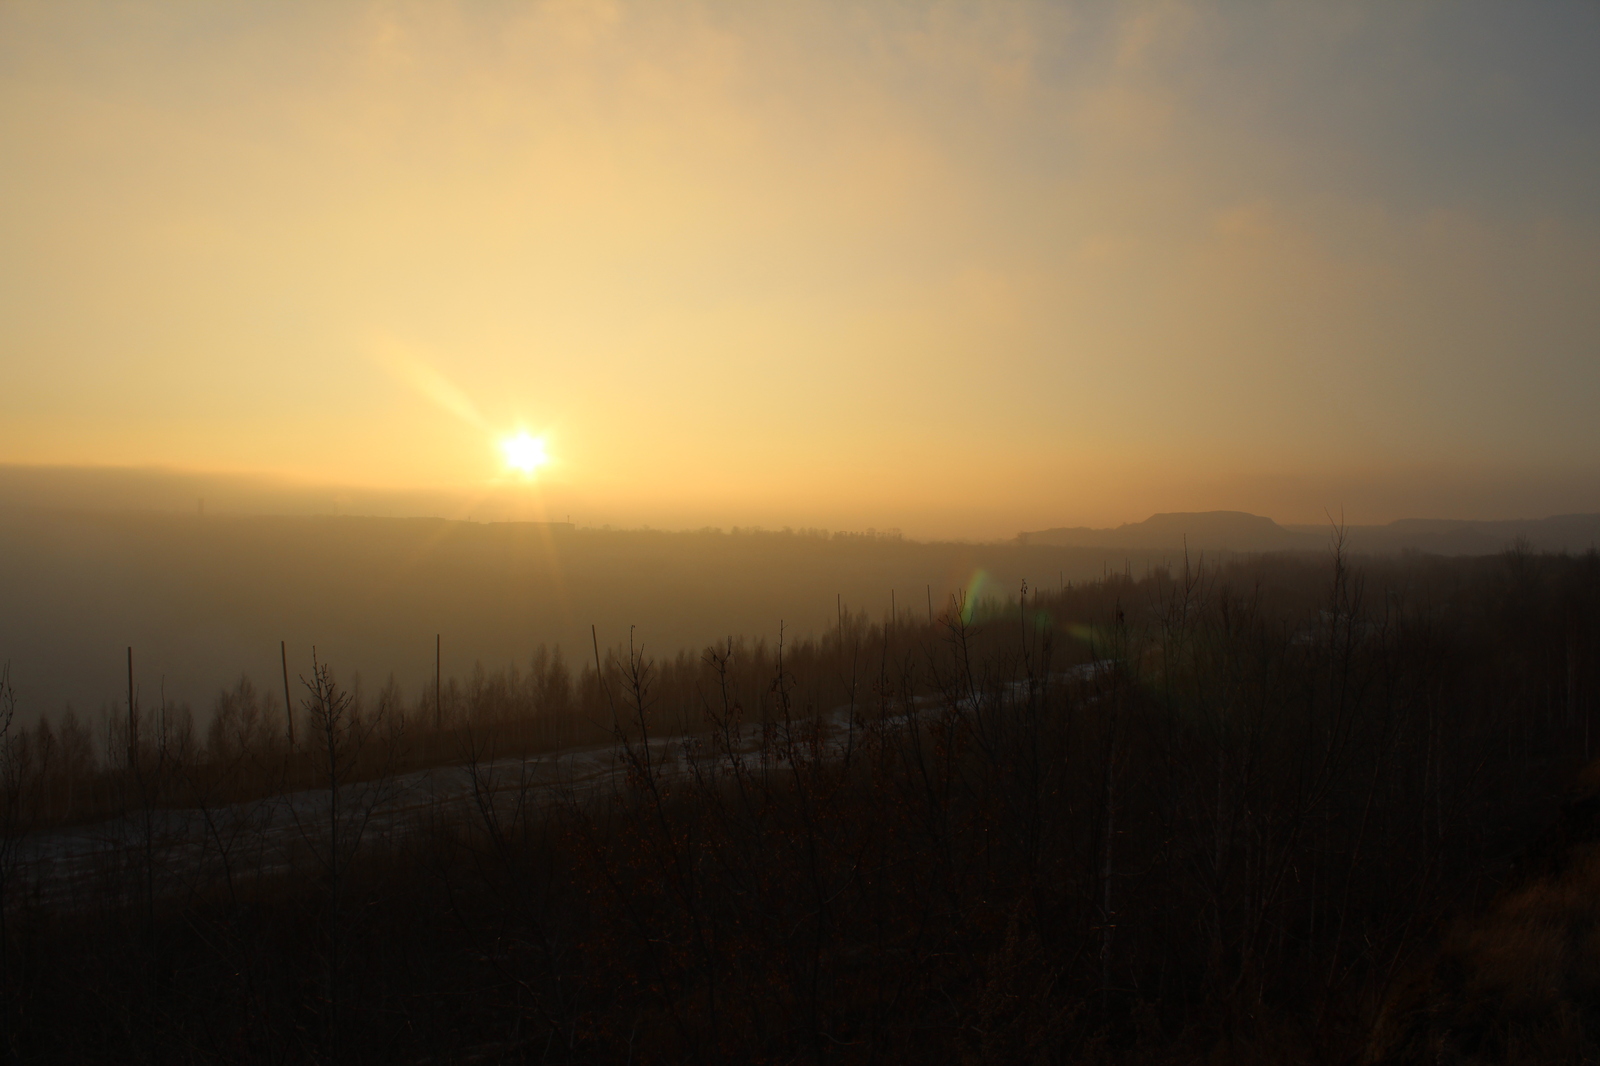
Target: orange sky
(958, 268)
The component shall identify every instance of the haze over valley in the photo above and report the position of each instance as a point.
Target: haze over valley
(206, 597)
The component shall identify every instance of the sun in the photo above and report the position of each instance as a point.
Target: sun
(525, 453)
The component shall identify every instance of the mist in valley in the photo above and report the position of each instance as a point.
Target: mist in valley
(204, 599)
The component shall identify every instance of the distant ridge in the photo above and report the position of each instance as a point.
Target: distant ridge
(1239, 531)
(164, 489)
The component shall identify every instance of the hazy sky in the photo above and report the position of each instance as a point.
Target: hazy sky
(959, 268)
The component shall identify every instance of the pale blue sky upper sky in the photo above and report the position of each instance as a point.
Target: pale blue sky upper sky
(958, 268)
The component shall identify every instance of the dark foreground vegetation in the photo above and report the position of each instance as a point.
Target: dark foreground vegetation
(1281, 811)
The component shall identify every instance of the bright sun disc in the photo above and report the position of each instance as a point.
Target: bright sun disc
(524, 453)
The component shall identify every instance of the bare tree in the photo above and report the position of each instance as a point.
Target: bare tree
(11, 774)
(358, 780)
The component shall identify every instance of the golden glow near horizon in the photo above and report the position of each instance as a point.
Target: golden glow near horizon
(525, 453)
(963, 268)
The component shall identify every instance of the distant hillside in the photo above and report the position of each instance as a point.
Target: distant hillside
(105, 489)
(1241, 532)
